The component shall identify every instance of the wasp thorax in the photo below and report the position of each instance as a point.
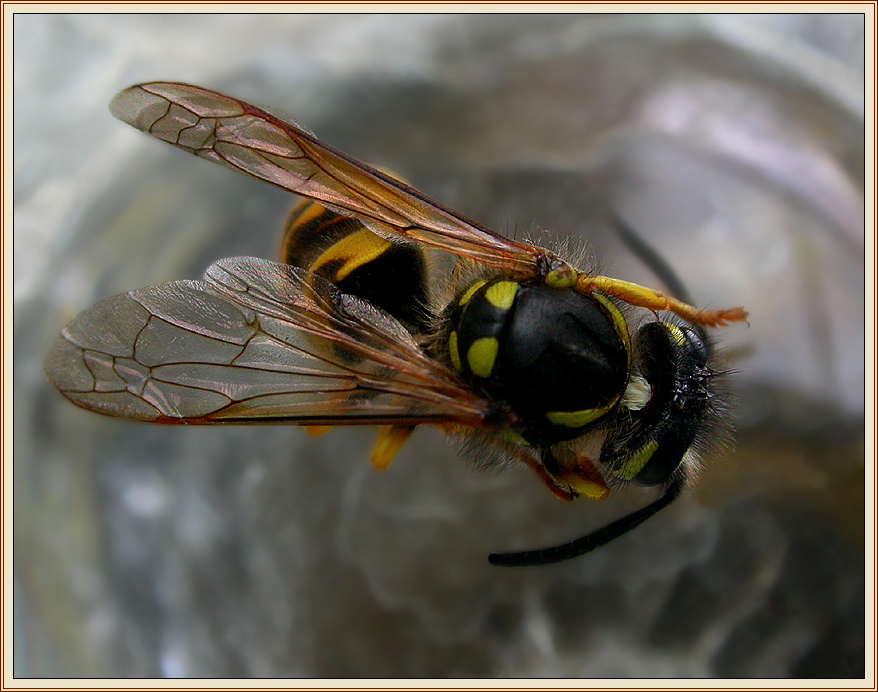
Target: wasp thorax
(557, 357)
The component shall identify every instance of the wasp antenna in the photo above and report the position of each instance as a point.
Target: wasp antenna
(581, 546)
(653, 260)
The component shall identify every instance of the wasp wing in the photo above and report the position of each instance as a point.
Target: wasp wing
(252, 141)
(254, 342)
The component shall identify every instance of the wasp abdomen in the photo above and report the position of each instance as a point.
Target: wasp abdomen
(391, 276)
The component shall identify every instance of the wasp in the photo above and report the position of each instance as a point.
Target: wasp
(517, 348)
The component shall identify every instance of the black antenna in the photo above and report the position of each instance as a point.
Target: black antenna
(656, 263)
(647, 254)
(581, 546)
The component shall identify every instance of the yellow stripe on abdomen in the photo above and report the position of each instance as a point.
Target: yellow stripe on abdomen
(353, 251)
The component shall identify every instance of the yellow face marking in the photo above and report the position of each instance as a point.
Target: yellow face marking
(355, 250)
(636, 463)
(464, 299)
(502, 294)
(481, 356)
(453, 352)
(676, 333)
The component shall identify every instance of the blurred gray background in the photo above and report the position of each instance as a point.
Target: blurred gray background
(733, 143)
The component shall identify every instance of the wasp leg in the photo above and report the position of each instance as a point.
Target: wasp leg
(543, 468)
(581, 546)
(647, 254)
(652, 259)
(656, 300)
(389, 441)
(568, 483)
(585, 479)
(317, 430)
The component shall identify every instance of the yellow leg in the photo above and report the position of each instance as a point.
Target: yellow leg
(656, 300)
(561, 490)
(317, 430)
(582, 480)
(390, 439)
(586, 480)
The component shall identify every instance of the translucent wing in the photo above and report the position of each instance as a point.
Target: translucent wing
(253, 342)
(252, 141)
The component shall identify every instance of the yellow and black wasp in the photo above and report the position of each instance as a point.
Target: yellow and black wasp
(520, 349)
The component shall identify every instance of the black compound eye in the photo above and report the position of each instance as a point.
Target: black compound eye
(650, 443)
